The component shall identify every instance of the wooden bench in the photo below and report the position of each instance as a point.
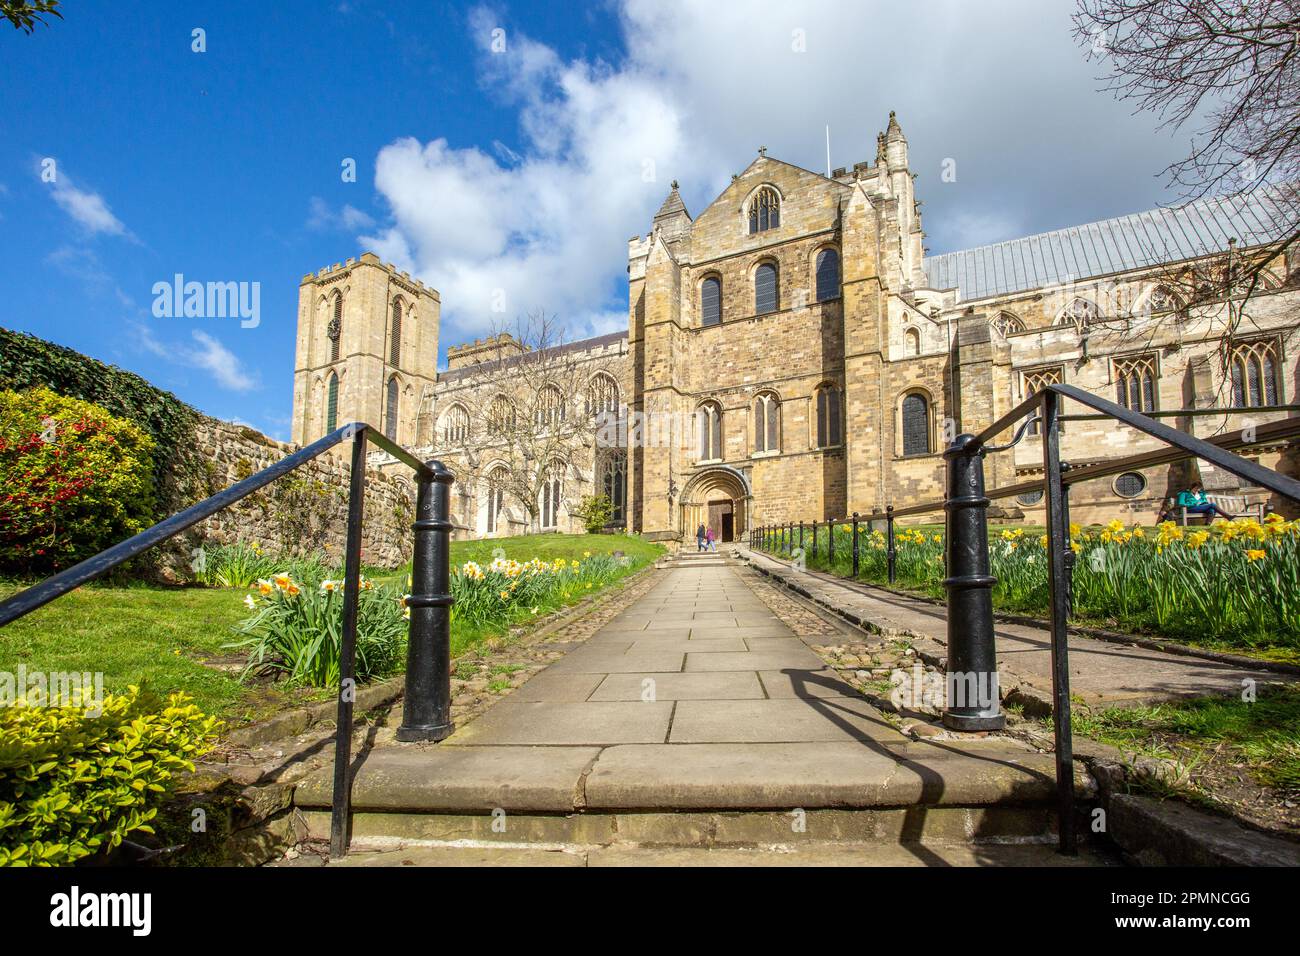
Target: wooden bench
(1239, 506)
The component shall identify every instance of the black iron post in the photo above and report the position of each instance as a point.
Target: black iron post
(830, 542)
(972, 678)
(855, 544)
(426, 711)
(1058, 546)
(341, 799)
(1069, 551)
(800, 535)
(890, 553)
(814, 548)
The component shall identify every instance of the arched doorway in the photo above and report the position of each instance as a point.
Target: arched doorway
(717, 498)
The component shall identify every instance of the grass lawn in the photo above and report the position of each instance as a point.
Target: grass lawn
(162, 636)
(1242, 756)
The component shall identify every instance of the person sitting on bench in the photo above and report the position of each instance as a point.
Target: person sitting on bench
(1194, 501)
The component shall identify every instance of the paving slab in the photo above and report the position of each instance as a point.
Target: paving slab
(704, 686)
(596, 661)
(813, 683)
(447, 779)
(554, 686)
(715, 645)
(796, 720)
(797, 657)
(567, 724)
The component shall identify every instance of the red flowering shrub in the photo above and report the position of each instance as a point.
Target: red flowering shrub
(73, 480)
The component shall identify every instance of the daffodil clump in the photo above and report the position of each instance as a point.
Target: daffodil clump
(506, 590)
(295, 630)
(1235, 583)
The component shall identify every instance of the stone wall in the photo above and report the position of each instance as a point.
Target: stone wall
(306, 510)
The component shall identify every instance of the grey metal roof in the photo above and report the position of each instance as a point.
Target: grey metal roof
(1136, 241)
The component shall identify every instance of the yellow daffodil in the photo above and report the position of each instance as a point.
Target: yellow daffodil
(1256, 555)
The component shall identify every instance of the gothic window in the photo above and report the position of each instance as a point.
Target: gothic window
(552, 489)
(765, 297)
(395, 336)
(613, 482)
(1034, 382)
(602, 395)
(1254, 367)
(1162, 299)
(767, 420)
(711, 301)
(390, 409)
(911, 342)
(501, 416)
(496, 498)
(1005, 323)
(916, 424)
(709, 425)
(828, 416)
(455, 427)
(335, 328)
(828, 275)
(764, 210)
(1081, 313)
(1135, 384)
(550, 407)
(332, 403)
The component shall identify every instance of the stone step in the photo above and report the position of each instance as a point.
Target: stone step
(921, 826)
(789, 854)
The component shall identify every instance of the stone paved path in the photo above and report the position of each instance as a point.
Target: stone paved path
(696, 696)
(1101, 672)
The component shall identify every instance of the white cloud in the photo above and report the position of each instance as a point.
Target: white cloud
(349, 218)
(88, 209)
(546, 223)
(208, 355)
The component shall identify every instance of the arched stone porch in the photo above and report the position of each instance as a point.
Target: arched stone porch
(718, 497)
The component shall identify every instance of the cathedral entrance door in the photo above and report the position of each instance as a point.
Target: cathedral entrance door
(722, 520)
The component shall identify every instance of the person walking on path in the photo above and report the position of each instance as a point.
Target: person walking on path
(699, 538)
(713, 541)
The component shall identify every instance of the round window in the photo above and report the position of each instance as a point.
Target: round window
(1130, 484)
(1030, 497)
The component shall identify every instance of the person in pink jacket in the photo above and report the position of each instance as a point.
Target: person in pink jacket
(713, 541)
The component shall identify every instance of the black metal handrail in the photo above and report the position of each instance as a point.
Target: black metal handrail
(969, 582)
(427, 700)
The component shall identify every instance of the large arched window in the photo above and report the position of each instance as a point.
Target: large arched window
(1005, 323)
(496, 497)
(613, 481)
(708, 418)
(455, 425)
(332, 403)
(1254, 374)
(390, 408)
(711, 301)
(550, 407)
(602, 395)
(764, 210)
(1080, 313)
(767, 418)
(828, 416)
(335, 328)
(1034, 383)
(395, 335)
(501, 416)
(551, 495)
(1135, 383)
(828, 275)
(765, 295)
(915, 422)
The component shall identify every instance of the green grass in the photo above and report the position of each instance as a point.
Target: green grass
(1263, 736)
(160, 636)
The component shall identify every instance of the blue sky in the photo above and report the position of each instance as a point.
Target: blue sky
(508, 147)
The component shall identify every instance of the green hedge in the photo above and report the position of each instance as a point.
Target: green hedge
(27, 361)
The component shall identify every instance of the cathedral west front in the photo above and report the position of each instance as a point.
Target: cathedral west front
(793, 354)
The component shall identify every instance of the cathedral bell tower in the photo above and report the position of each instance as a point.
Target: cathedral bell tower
(367, 350)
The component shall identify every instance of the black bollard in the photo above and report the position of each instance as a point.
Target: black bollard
(890, 553)
(855, 544)
(426, 710)
(972, 679)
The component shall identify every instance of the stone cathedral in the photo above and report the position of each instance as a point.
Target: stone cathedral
(793, 354)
